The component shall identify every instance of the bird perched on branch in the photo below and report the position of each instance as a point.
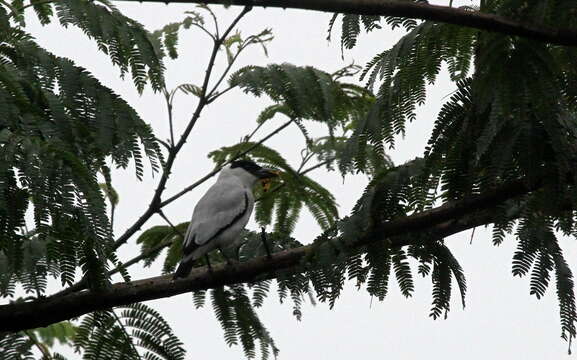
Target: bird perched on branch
(222, 213)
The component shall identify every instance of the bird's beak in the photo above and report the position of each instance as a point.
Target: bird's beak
(267, 173)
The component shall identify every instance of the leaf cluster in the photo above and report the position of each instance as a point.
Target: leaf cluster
(516, 99)
(60, 132)
(122, 39)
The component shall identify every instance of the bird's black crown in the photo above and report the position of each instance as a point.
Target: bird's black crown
(248, 165)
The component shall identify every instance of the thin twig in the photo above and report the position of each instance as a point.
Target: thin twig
(221, 40)
(316, 166)
(225, 72)
(161, 213)
(247, 139)
(145, 255)
(309, 155)
(215, 21)
(205, 30)
(169, 109)
(43, 349)
(472, 236)
(112, 213)
(249, 41)
(219, 94)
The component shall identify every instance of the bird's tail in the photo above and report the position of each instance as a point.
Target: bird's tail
(184, 268)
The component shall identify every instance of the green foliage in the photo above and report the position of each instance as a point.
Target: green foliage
(16, 346)
(351, 25)
(543, 13)
(64, 332)
(234, 311)
(156, 238)
(110, 193)
(252, 244)
(351, 155)
(379, 268)
(131, 332)
(20, 345)
(306, 93)
(392, 194)
(538, 252)
(124, 40)
(59, 128)
(514, 98)
(235, 43)
(167, 37)
(445, 265)
(404, 72)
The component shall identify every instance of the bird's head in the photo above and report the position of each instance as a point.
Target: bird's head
(248, 171)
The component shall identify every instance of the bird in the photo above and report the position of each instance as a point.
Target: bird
(222, 213)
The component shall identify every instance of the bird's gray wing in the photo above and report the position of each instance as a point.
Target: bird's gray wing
(223, 204)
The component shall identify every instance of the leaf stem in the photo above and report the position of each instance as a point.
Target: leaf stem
(247, 139)
(206, 31)
(218, 94)
(128, 337)
(14, 11)
(169, 110)
(174, 228)
(43, 349)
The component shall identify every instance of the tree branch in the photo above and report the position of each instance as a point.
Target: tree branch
(444, 220)
(445, 14)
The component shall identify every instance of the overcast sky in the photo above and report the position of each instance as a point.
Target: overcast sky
(501, 319)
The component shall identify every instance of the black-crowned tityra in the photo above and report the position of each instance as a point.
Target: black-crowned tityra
(222, 213)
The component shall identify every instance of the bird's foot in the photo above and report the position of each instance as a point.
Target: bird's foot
(265, 244)
(208, 263)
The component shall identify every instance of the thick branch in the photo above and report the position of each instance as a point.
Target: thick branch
(444, 220)
(462, 17)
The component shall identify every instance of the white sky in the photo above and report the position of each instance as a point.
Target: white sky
(501, 319)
